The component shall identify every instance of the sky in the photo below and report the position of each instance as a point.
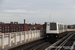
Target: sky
(37, 11)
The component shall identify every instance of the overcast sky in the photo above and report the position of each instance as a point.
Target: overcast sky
(37, 11)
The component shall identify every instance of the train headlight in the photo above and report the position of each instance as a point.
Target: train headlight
(56, 36)
(47, 36)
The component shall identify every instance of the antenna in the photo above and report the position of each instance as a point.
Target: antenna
(53, 19)
(49, 17)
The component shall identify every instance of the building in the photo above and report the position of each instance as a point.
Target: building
(35, 26)
(17, 27)
(11, 27)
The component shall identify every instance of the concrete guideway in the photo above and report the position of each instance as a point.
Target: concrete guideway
(14, 39)
(72, 48)
(70, 45)
(27, 44)
(10, 40)
(64, 42)
(59, 41)
(41, 46)
(70, 29)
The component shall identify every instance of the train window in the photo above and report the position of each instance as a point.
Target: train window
(48, 24)
(53, 26)
(60, 27)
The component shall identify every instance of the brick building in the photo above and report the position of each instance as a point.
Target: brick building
(16, 27)
(11, 27)
(35, 26)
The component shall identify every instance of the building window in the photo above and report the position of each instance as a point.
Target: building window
(8, 27)
(34, 27)
(16, 30)
(19, 27)
(22, 27)
(5, 27)
(3, 30)
(14, 27)
(0, 27)
(11, 29)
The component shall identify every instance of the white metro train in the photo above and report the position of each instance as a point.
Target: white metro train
(55, 30)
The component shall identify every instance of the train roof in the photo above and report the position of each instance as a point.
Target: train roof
(57, 22)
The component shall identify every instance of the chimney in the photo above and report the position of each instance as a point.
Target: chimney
(24, 21)
(24, 25)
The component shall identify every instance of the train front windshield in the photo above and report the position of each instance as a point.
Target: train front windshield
(53, 26)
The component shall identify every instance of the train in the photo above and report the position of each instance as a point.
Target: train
(55, 31)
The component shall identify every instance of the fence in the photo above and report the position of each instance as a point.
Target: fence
(14, 38)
